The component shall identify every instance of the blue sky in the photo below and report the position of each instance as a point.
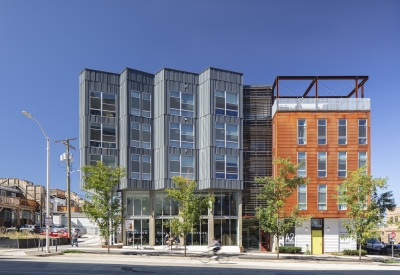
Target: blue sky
(44, 45)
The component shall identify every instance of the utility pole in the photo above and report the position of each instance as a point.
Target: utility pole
(68, 146)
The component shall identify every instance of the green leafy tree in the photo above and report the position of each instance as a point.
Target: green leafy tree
(102, 207)
(191, 207)
(384, 201)
(364, 215)
(273, 216)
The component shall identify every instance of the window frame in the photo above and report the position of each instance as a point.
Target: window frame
(102, 111)
(181, 173)
(341, 206)
(318, 197)
(102, 143)
(360, 139)
(180, 136)
(342, 173)
(345, 128)
(138, 173)
(305, 164)
(180, 110)
(324, 137)
(298, 196)
(360, 160)
(318, 164)
(225, 141)
(226, 111)
(139, 99)
(302, 140)
(218, 174)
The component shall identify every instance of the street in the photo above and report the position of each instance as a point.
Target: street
(79, 264)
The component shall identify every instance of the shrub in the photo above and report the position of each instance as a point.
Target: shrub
(73, 251)
(350, 252)
(289, 249)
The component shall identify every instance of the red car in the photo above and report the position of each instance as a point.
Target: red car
(57, 233)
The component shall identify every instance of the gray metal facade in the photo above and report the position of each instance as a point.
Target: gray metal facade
(128, 111)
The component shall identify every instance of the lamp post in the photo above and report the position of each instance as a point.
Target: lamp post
(47, 181)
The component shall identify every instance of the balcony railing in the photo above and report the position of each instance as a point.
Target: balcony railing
(75, 209)
(14, 201)
(321, 104)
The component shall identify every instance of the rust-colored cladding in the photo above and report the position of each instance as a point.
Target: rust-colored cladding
(285, 144)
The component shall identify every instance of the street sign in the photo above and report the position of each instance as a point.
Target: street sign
(49, 221)
(393, 235)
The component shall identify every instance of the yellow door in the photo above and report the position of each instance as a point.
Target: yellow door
(316, 242)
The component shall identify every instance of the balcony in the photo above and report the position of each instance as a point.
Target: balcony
(320, 104)
(75, 209)
(57, 193)
(15, 202)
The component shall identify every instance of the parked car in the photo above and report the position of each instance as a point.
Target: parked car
(30, 228)
(396, 250)
(373, 245)
(57, 233)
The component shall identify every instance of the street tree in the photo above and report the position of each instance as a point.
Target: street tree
(363, 214)
(274, 217)
(102, 206)
(191, 207)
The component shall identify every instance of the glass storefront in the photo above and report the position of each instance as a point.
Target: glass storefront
(137, 232)
(250, 234)
(226, 230)
(200, 234)
(226, 203)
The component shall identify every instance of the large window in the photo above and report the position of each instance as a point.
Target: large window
(137, 203)
(302, 197)
(181, 135)
(108, 160)
(225, 203)
(145, 134)
(226, 230)
(102, 104)
(181, 166)
(226, 103)
(321, 131)
(302, 169)
(102, 135)
(145, 166)
(301, 131)
(165, 206)
(342, 131)
(341, 205)
(321, 164)
(321, 196)
(227, 167)
(362, 131)
(181, 104)
(342, 164)
(226, 135)
(362, 160)
(138, 100)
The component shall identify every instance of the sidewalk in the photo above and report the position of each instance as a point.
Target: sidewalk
(256, 256)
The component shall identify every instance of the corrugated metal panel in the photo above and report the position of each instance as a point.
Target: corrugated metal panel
(346, 243)
(303, 236)
(331, 236)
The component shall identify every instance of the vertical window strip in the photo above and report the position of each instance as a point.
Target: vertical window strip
(362, 131)
(321, 131)
(322, 196)
(342, 131)
(302, 197)
(322, 164)
(343, 205)
(135, 103)
(362, 160)
(342, 164)
(302, 169)
(301, 131)
(135, 174)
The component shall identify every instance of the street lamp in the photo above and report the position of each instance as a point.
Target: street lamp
(47, 181)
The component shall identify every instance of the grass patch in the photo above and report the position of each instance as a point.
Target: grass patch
(73, 251)
(390, 261)
(21, 235)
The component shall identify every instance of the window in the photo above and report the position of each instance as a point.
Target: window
(3, 193)
(362, 160)
(301, 131)
(102, 135)
(396, 219)
(136, 134)
(341, 205)
(135, 167)
(342, 164)
(7, 216)
(181, 135)
(102, 104)
(226, 103)
(136, 99)
(226, 167)
(302, 197)
(321, 164)
(181, 104)
(342, 131)
(181, 166)
(226, 135)
(146, 168)
(137, 203)
(321, 196)
(362, 131)
(321, 131)
(146, 136)
(302, 169)
(108, 160)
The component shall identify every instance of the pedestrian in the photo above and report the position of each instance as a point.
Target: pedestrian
(74, 238)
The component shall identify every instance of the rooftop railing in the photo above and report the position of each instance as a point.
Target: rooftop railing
(321, 104)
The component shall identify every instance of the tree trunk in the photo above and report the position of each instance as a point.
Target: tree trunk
(108, 233)
(359, 253)
(184, 239)
(277, 246)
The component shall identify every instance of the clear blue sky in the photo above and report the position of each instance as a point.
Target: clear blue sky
(44, 45)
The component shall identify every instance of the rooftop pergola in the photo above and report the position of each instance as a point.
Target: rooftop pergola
(359, 82)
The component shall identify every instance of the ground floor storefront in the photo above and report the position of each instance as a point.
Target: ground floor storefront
(148, 211)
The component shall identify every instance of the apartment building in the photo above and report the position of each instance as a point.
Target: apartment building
(330, 135)
(206, 126)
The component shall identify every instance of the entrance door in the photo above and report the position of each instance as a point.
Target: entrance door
(264, 241)
(316, 242)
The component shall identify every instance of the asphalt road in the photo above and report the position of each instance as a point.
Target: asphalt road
(80, 264)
